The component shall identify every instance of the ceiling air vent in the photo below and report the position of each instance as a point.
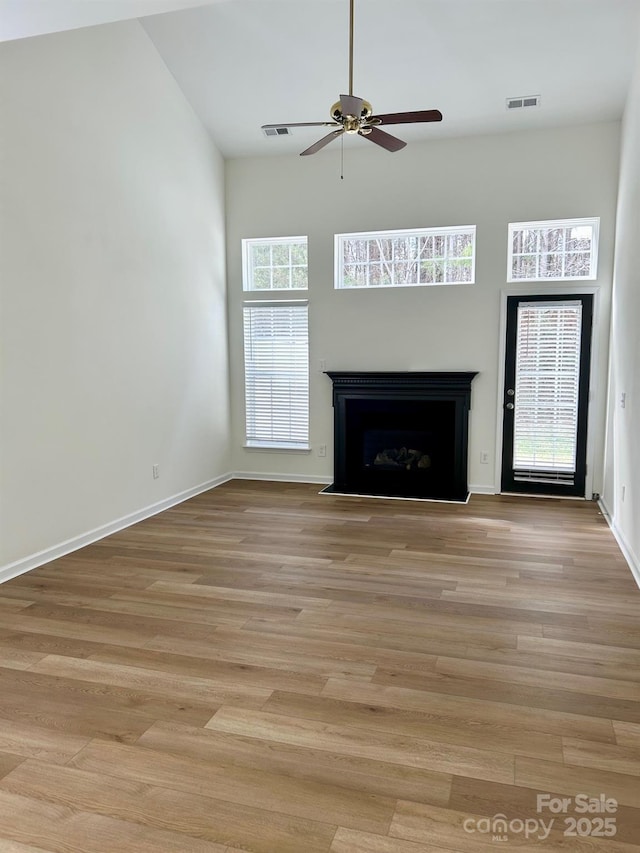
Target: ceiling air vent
(277, 131)
(525, 101)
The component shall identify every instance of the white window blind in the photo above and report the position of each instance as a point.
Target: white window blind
(276, 361)
(546, 391)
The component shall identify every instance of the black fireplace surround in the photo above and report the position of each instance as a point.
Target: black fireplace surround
(401, 434)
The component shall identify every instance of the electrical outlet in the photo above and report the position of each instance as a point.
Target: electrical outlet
(484, 458)
(322, 450)
(623, 399)
(323, 365)
(156, 472)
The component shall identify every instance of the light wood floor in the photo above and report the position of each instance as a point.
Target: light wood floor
(266, 669)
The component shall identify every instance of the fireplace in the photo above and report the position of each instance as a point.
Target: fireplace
(401, 434)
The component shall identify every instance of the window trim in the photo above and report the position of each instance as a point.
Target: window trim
(247, 266)
(539, 224)
(401, 232)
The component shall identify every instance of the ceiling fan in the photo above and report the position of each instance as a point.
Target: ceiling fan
(354, 115)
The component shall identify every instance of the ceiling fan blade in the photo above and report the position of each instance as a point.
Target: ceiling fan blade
(322, 142)
(391, 143)
(350, 105)
(300, 124)
(408, 118)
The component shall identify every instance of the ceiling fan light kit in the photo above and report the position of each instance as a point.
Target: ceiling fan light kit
(354, 116)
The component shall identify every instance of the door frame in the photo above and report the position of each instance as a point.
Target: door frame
(537, 288)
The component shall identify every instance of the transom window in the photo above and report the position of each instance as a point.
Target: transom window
(278, 263)
(421, 256)
(554, 250)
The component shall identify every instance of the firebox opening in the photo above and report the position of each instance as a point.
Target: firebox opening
(400, 447)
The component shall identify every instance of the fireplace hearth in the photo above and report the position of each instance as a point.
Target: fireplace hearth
(401, 434)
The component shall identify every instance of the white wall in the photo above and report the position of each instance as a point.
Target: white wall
(113, 318)
(488, 181)
(622, 475)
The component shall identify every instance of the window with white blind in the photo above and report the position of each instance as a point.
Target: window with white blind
(276, 364)
(547, 390)
(555, 250)
(419, 257)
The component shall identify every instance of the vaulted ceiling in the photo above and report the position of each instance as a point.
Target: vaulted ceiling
(244, 63)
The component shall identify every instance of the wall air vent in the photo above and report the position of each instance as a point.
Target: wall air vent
(524, 101)
(277, 131)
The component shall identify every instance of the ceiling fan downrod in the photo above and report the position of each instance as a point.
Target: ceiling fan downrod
(351, 19)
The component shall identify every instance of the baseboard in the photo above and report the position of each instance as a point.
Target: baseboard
(483, 490)
(19, 567)
(282, 478)
(627, 552)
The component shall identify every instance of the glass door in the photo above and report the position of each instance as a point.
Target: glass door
(546, 391)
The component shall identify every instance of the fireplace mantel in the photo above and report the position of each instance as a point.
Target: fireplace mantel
(423, 382)
(428, 406)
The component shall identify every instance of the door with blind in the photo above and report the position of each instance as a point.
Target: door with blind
(545, 398)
